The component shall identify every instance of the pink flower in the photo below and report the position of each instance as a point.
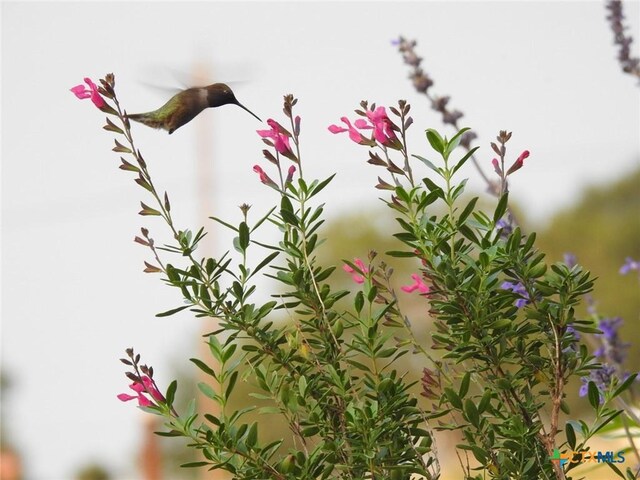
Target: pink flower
(147, 387)
(377, 120)
(382, 130)
(496, 166)
(356, 274)
(83, 92)
(417, 284)
(354, 134)
(279, 136)
(292, 170)
(264, 178)
(517, 165)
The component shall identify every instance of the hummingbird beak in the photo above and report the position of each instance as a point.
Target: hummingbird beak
(245, 108)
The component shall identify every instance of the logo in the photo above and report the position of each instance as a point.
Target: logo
(585, 456)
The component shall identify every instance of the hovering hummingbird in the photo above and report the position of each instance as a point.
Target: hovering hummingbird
(186, 105)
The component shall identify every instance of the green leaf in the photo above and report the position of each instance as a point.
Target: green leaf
(467, 211)
(208, 391)
(171, 392)
(232, 383)
(168, 313)
(571, 436)
(453, 398)
(318, 188)
(616, 469)
(203, 366)
(625, 385)
(427, 163)
(358, 302)
(430, 184)
(464, 385)
(455, 140)
(501, 208)
(195, 464)
(594, 395)
(264, 262)
(463, 160)
(243, 236)
(252, 436)
(471, 411)
(436, 141)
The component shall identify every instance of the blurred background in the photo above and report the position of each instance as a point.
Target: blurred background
(73, 292)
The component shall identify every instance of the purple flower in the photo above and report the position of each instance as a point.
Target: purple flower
(601, 377)
(570, 260)
(612, 350)
(573, 337)
(520, 290)
(629, 264)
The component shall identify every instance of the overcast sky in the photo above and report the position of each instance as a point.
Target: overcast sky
(73, 294)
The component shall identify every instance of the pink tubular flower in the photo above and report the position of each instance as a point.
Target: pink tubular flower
(355, 274)
(378, 121)
(382, 130)
(354, 134)
(83, 92)
(264, 178)
(279, 136)
(496, 166)
(517, 165)
(292, 170)
(417, 284)
(145, 388)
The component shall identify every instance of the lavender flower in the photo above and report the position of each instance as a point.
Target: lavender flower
(612, 350)
(518, 288)
(629, 264)
(616, 18)
(601, 377)
(570, 259)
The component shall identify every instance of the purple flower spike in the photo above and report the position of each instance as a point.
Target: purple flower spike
(629, 265)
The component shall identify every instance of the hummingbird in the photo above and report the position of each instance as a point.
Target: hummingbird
(186, 105)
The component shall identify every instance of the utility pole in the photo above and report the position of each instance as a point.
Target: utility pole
(205, 203)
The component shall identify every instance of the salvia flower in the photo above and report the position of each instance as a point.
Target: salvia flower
(417, 284)
(280, 138)
(496, 166)
(83, 92)
(264, 178)
(142, 389)
(518, 288)
(292, 170)
(572, 338)
(382, 126)
(356, 275)
(570, 260)
(378, 121)
(629, 265)
(613, 350)
(602, 377)
(430, 384)
(354, 134)
(517, 165)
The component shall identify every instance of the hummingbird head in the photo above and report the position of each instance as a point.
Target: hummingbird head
(220, 94)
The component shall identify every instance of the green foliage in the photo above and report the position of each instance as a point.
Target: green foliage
(504, 345)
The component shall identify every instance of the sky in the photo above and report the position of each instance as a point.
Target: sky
(73, 292)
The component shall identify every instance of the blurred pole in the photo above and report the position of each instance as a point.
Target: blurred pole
(202, 75)
(151, 455)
